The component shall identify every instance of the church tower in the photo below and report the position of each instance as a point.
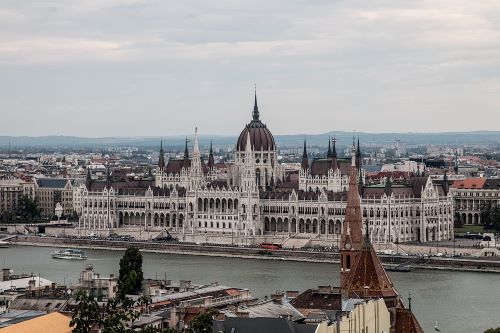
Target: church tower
(362, 274)
(351, 241)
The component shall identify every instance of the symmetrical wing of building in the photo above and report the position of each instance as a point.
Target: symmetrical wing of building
(257, 197)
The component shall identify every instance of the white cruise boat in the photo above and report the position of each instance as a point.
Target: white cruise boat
(70, 254)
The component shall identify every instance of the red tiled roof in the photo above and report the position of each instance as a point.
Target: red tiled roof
(406, 322)
(469, 183)
(368, 271)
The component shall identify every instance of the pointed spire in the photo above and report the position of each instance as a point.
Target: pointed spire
(161, 159)
(329, 153)
(305, 160)
(351, 241)
(359, 159)
(88, 179)
(186, 154)
(334, 150)
(211, 161)
(248, 146)
(255, 114)
(196, 149)
(108, 178)
(353, 154)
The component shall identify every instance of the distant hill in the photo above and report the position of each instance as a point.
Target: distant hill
(292, 140)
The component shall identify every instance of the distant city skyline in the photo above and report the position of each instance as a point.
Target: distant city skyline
(154, 68)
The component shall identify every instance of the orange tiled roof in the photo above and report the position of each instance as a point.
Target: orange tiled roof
(406, 322)
(368, 271)
(469, 183)
(51, 323)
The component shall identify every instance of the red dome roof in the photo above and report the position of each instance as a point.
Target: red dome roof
(260, 137)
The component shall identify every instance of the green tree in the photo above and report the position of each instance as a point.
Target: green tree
(86, 314)
(131, 275)
(118, 313)
(493, 330)
(490, 215)
(114, 317)
(202, 323)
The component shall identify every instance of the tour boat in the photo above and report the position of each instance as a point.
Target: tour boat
(71, 254)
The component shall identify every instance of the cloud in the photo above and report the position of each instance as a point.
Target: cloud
(346, 64)
(57, 50)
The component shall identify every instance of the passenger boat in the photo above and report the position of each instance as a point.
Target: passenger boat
(70, 254)
(398, 268)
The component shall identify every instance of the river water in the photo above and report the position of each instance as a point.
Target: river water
(458, 301)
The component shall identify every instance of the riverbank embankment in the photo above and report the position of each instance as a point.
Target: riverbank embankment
(434, 263)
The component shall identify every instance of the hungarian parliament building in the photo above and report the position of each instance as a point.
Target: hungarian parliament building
(257, 199)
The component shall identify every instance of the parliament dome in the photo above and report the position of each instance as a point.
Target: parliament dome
(260, 136)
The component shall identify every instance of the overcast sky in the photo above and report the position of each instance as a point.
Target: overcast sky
(146, 67)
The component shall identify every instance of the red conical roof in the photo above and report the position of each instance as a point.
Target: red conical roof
(368, 278)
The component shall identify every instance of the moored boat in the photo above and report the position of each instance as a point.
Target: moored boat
(70, 254)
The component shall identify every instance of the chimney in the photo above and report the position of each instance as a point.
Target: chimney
(31, 284)
(277, 297)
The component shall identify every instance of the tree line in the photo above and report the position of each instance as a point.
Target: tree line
(26, 210)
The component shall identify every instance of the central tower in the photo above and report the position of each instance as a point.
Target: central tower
(264, 152)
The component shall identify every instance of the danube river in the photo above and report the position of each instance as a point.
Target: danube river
(458, 301)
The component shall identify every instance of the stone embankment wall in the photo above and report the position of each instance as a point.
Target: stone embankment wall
(465, 264)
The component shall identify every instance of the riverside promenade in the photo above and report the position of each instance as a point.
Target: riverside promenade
(486, 264)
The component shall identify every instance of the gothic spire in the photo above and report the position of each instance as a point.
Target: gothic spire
(359, 159)
(351, 240)
(305, 160)
(161, 159)
(196, 148)
(329, 153)
(88, 180)
(211, 162)
(108, 177)
(186, 154)
(334, 150)
(334, 155)
(255, 114)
